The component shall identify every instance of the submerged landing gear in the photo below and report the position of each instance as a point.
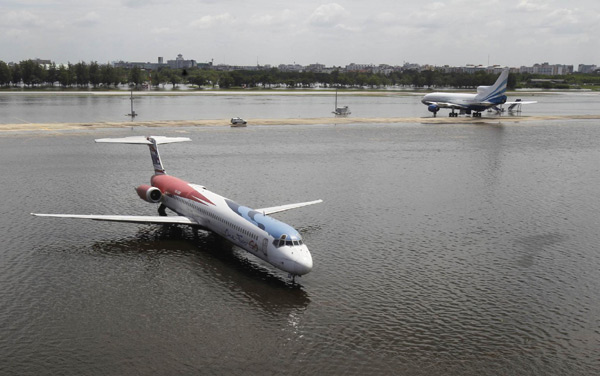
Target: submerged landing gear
(162, 210)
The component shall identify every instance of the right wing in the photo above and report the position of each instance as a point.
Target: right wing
(277, 209)
(520, 102)
(128, 218)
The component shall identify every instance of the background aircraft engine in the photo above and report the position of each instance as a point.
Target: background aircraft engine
(149, 193)
(433, 108)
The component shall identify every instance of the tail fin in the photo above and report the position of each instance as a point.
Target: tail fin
(152, 142)
(494, 93)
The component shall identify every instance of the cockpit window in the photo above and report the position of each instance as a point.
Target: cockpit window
(283, 241)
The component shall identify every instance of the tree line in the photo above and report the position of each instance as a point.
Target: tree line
(85, 75)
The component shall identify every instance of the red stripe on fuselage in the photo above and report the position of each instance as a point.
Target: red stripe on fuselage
(170, 185)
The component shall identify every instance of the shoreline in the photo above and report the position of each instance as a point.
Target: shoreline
(32, 127)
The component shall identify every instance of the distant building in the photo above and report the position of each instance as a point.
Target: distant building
(583, 68)
(316, 68)
(411, 66)
(291, 67)
(231, 68)
(547, 69)
(41, 61)
(181, 63)
(359, 67)
(383, 69)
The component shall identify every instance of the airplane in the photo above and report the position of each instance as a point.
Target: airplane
(253, 230)
(486, 97)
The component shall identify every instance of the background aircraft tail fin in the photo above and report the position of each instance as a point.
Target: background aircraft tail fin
(152, 142)
(494, 93)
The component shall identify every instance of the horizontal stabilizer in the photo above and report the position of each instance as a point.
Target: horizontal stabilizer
(143, 140)
(176, 220)
(277, 209)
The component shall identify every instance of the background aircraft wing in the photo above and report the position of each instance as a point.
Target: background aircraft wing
(456, 106)
(127, 218)
(277, 209)
(521, 102)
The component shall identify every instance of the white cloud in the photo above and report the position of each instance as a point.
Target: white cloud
(272, 19)
(206, 22)
(328, 15)
(89, 19)
(532, 6)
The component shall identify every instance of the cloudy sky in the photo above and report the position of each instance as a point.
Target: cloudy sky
(330, 32)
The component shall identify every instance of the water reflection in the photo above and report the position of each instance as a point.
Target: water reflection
(208, 254)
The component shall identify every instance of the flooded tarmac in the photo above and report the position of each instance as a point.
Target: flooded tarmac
(440, 249)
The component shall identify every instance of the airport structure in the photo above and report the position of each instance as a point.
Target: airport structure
(180, 63)
(543, 68)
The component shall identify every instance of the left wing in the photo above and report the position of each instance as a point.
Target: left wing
(455, 106)
(128, 218)
(277, 209)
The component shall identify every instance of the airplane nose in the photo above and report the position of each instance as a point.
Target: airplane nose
(304, 264)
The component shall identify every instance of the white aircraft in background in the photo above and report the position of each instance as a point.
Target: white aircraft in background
(253, 230)
(486, 97)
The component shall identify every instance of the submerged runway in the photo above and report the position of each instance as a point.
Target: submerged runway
(289, 121)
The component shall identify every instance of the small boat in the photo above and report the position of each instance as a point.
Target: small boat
(238, 122)
(341, 111)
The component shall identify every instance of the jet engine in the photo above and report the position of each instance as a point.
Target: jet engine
(149, 193)
(433, 108)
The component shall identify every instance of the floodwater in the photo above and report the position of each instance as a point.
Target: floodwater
(438, 250)
(27, 107)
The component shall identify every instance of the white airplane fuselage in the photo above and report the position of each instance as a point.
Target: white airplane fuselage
(443, 99)
(263, 236)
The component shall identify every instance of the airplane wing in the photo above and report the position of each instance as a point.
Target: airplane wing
(277, 209)
(450, 105)
(143, 140)
(128, 218)
(521, 102)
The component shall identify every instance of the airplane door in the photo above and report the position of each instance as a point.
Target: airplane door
(265, 244)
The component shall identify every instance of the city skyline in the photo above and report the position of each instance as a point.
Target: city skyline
(453, 32)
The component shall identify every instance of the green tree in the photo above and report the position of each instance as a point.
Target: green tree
(197, 77)
(5, 75)
(52, 74)
(27, 72)
(64, 77)
(135, 76)
(95, 74)
(82, 74)
(173, 77)
(107, 75)
(16, 74)
(225, 80)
